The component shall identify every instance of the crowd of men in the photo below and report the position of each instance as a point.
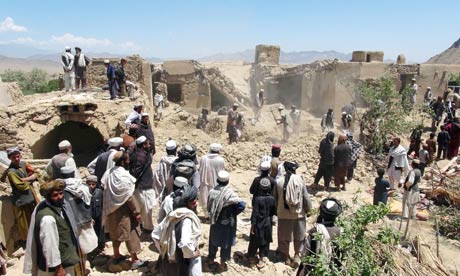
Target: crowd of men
(117, 198)
(119, 194)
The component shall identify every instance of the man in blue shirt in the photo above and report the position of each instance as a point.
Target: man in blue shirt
(111, 77)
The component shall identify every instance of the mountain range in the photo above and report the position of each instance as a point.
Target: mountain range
(450, 56)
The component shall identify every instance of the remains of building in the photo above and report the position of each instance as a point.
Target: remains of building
(37, 123)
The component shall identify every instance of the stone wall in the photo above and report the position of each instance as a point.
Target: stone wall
(269, 54)
(137, 69)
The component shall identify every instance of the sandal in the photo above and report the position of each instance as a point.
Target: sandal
(261, 264)
(137, 264)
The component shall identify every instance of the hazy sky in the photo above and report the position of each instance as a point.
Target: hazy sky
(192, 28)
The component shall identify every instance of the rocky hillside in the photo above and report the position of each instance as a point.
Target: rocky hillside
(449, 56)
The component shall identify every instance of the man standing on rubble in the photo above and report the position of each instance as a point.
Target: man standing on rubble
(286, 121)
(411, 191)
(397, 162)
(81, 62)
(111, 79)
(204, 90)
(231, 124)
(260, 102)
(210, 165)
(67, 62)
(121, 77)
(295, 117)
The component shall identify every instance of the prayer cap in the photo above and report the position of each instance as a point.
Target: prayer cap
(67, 48)
(215, 147)
(180, 181)
(413, 79)
(141, 140)
(290, 165)
(11, 151)
(293, 106)
(349, 134)
(67, 170)
(77, 49)
(171, 144)
(115, 142)
(138, 105)
(265, 166)
(106, 61)
(223, 176)
(429, 88)
(280, 107)
(47, 187)
(91, 178)
(144, 114)
(276, 146)
(64, 144)
(265, 183)
(236, 105)
(262, 90)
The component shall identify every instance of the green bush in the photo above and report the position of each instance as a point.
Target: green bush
(35, 81)
(355, 247)
(386, 113)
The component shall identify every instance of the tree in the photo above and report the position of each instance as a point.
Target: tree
(35, 81)
(386, 113)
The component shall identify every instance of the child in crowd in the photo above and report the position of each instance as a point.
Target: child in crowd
(263, 210)
(382, 186)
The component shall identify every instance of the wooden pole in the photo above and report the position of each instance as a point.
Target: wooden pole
(437, 236)
(411, 208)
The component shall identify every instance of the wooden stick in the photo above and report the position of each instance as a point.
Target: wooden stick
(408, 220)
(437, 236)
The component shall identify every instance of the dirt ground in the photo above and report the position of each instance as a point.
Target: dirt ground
(241, 161)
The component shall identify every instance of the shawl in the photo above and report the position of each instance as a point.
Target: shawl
(165, 232)
(118, 187)
(75, 187)
(220, 197)
(355, 149)
(210, 165)
(161, 173)
(294, 195)
(399, 155)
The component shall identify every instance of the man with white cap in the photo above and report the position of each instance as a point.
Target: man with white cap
(223, 207)
(135, 116)
(428, 97)
(111, 79)
(145, 129)
(163, 169)
(167, 204)
(295, 117)
(104, 161)
(210, 165)
(140, 167)
(286, 121)
(64, 158)
(232, 116)
(260, 102)
(67, 62)
(78, 197)
(264, 176)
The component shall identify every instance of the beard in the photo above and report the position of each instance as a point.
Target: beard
(58, 203)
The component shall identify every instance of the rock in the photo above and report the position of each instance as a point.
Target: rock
(183, 116)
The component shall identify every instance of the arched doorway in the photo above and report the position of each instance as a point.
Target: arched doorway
(86, 142)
